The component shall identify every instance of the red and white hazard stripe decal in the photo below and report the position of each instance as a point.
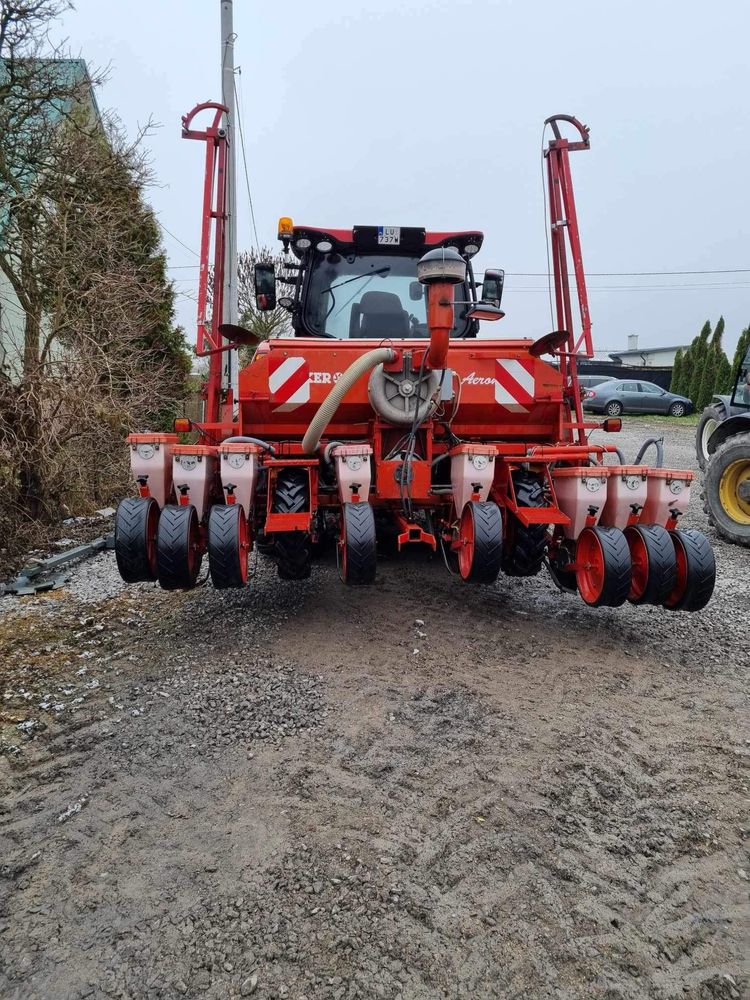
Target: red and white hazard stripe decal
(289, 383)
(514, 384)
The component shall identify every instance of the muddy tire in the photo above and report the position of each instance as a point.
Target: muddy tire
(710, 419)
(726, 493)
(292, 549)
(178, 554)
(136, 525)
(525, 546)
(358, 544)
(228, 546)
(696, 571)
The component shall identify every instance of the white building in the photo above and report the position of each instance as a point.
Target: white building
(647, 357)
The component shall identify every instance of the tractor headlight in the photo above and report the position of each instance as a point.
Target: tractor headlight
(303, 243)
(146, 451)
(325, 246)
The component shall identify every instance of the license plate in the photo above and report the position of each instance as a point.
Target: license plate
(389, 235)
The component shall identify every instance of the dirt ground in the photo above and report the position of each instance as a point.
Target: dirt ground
(418, 790)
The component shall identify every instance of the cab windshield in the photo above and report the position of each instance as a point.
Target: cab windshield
(371, 295)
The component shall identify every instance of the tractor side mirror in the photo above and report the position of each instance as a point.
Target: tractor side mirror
(265, 287)
(416, 291)
(492, 286)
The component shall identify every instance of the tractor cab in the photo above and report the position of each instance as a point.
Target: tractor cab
(362, 283)
(741, 391)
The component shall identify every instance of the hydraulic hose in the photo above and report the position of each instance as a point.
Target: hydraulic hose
(242, 439)
(658, 443)
(327, 409)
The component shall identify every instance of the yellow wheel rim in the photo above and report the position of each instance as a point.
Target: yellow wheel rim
(729, 491)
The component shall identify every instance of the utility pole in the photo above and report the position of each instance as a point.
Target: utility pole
(230, 260)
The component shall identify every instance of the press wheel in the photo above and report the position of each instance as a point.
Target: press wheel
(358, 544)
(178, 550)
(136, 524)
(652, 554)
(696, 571)
(228, 546)
(480, 549)
(604, 567)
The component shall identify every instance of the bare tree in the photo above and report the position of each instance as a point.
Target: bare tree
(274, 323)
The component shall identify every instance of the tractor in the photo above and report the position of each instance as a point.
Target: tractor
(723, 447)
(385, 422)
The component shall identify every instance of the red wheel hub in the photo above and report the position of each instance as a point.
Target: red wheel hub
(466, 543)
(591, 569)
(640, 564)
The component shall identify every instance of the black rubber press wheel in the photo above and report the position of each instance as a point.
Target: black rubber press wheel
(654, 563)
(604, 564)
(696, 571)
(481, 542)
(525, 545)
(136, 524)
(178, 552)
(292, 549)
(358, 544)
(228, 546)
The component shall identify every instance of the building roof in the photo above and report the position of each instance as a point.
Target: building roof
(649, 350)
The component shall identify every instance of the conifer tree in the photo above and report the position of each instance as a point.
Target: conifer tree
(708, 377)
(743, 344)
(676, 382)
(686, 373)
(700, 351)
(723, 384)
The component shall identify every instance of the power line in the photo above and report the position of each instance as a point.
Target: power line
(244, 160)
(628, 274)
(177, 238)
(709, 286)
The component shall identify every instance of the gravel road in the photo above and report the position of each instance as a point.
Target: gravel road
(417, 790)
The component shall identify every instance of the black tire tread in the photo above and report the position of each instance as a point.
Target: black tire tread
(131, 555)
(738, 445)
(488, 542)
(662, 564)
(292, 549)
(526, 547)
(701, 564)
(224, 553)
(714, 411)
(617, 567)
(361, 543)
(177, 525)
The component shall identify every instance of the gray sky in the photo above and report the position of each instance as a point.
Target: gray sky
(429, 112)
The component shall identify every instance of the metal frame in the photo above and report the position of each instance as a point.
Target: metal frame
(209, 341)
(563, 219)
